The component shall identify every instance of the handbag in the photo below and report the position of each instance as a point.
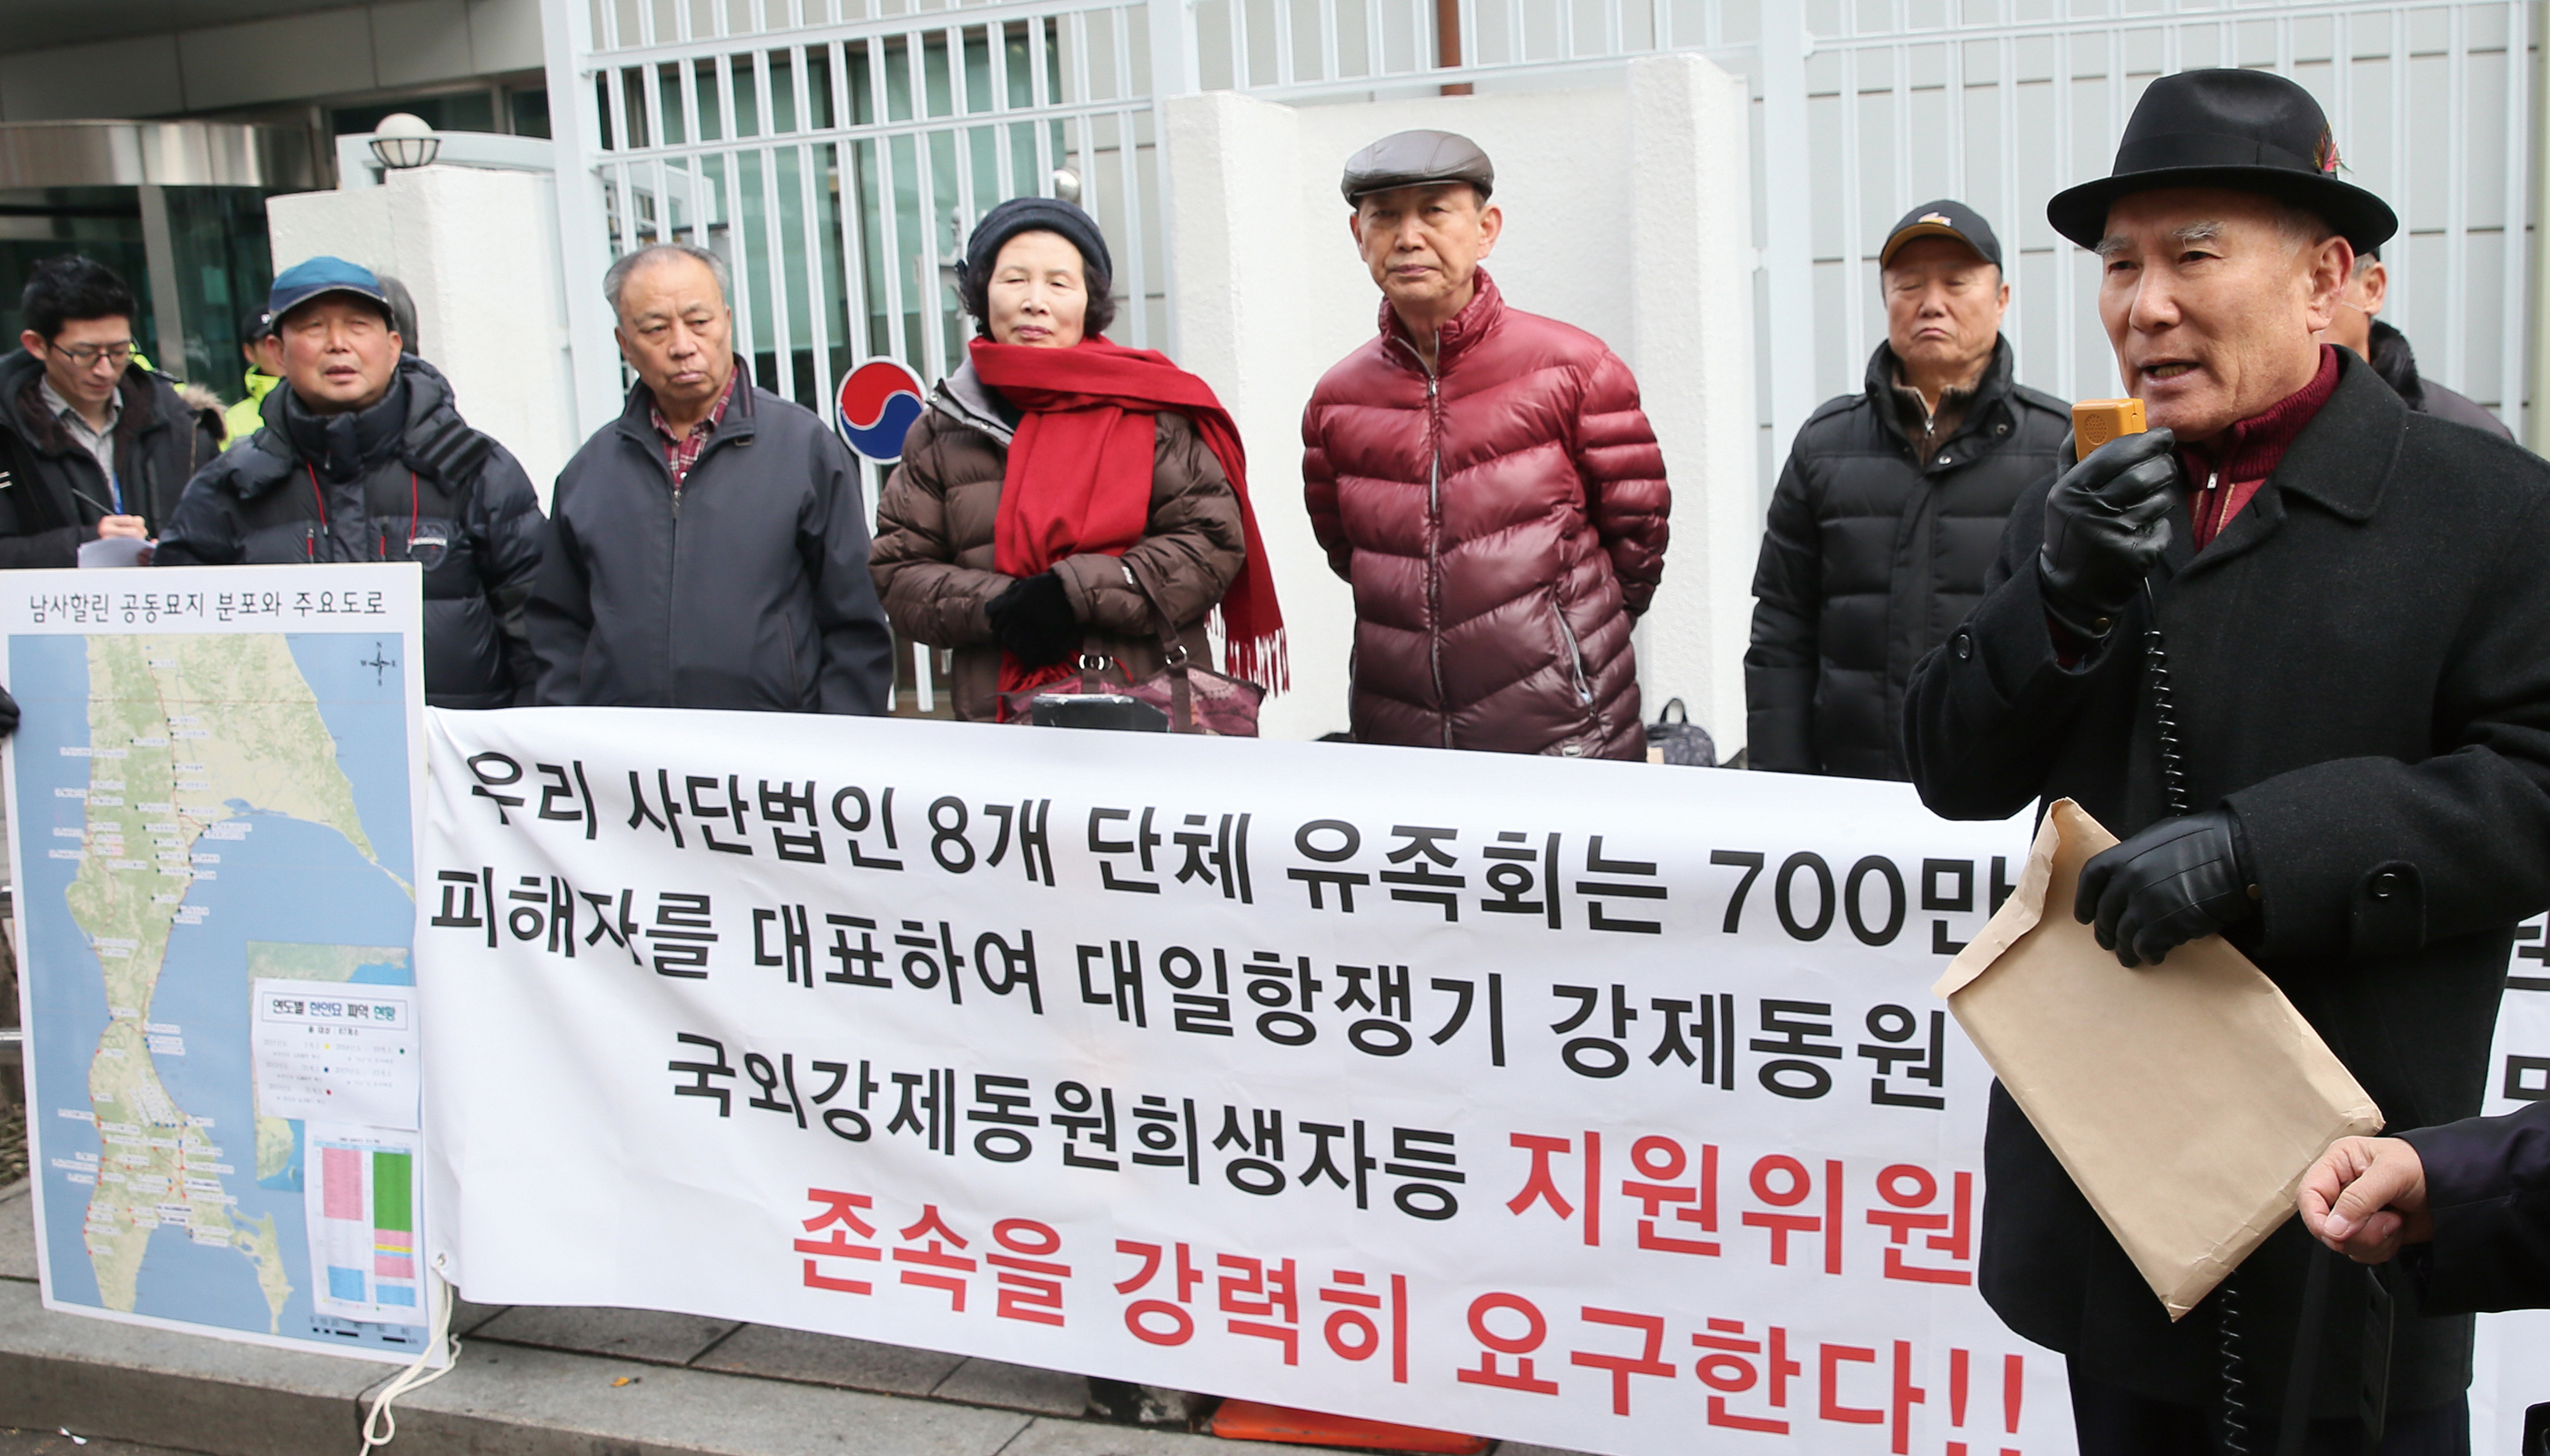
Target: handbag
(1678, 740)
(1197, 699)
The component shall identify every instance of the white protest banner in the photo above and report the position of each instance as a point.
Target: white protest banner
(1594, 1104)
(213, 790)
(2508, 1370)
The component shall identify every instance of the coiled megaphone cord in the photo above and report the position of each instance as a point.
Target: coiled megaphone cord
(2173, 759)
(2231, 1345)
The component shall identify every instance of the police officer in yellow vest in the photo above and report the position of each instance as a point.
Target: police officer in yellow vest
(264, 355)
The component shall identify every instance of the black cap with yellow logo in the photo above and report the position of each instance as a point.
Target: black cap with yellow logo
(1945, 218)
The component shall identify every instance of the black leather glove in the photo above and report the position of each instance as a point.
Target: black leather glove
(2106, 522)
(1033, 622)
(2178, 881)
(8, 713)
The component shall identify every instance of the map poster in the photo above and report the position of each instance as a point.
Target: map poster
(215, 789)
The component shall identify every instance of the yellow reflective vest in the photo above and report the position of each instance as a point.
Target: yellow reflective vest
(241, 419)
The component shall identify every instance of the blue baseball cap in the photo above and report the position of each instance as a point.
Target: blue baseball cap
(306, 280)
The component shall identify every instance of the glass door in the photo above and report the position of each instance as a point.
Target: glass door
(220, 267)
(213, 265)
(105, 222)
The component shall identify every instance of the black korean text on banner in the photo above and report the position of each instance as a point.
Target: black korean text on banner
(1583, 1103)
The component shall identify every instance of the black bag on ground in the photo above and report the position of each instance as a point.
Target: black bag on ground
(1679, 741)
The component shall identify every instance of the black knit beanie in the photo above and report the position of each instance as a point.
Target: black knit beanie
(1031, 215)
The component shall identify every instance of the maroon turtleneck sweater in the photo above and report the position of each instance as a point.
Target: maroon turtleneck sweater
(2224, 473)
(2222, 476)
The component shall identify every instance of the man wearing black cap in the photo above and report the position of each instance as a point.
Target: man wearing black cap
(360, 456)
(2358, 325)
(262, 352)
(1485, 479)
(2350, 774)
(1889, 516)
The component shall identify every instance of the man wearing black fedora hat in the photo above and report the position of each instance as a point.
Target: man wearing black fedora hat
(2349, 777)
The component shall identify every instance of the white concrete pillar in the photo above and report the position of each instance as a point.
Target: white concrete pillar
(479, 249)
(1690, 283)
(1244, 311)
(351, 225)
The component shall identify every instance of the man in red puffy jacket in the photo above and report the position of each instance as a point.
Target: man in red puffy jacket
(1485, 480)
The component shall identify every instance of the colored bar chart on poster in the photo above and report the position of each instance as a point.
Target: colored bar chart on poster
(360, 1189)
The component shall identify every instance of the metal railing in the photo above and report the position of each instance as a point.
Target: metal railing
(2430, 106)
(835, 150)
(836, 167)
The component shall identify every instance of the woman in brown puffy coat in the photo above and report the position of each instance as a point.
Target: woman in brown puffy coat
(1058, 486)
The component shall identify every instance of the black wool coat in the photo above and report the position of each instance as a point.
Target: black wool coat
(748, 589)
(1872, 556)
(2361, 664)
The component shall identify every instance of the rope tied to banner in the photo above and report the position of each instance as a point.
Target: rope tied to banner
(380, 1423)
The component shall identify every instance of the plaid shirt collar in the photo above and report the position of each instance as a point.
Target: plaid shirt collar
(682, 451)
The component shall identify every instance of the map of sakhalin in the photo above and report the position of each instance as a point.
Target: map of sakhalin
(196, 812)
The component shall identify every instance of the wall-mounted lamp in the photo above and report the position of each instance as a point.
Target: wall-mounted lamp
(404, 141)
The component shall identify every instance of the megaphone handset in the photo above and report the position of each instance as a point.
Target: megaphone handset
(2107, 519)
(2126, 472)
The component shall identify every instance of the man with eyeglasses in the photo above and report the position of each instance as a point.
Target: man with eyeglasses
(90, 446)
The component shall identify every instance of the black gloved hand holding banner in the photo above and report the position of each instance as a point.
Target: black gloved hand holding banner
(2106, 522)
(2180, 880)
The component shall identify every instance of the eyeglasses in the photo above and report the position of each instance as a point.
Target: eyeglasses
(86, 355)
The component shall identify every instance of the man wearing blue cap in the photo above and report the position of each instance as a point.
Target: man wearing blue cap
(360, 457)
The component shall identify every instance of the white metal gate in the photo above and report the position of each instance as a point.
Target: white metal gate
(836, 158)
(835, 150)
(2429, 105)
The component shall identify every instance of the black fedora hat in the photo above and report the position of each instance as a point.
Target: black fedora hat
(2243, 130)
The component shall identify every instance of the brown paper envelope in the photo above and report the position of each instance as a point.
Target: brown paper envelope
(2186, 1100)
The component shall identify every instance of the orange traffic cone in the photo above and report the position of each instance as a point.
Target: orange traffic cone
(1255, 1420)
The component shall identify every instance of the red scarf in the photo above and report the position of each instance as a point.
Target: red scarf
(1079, 479)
